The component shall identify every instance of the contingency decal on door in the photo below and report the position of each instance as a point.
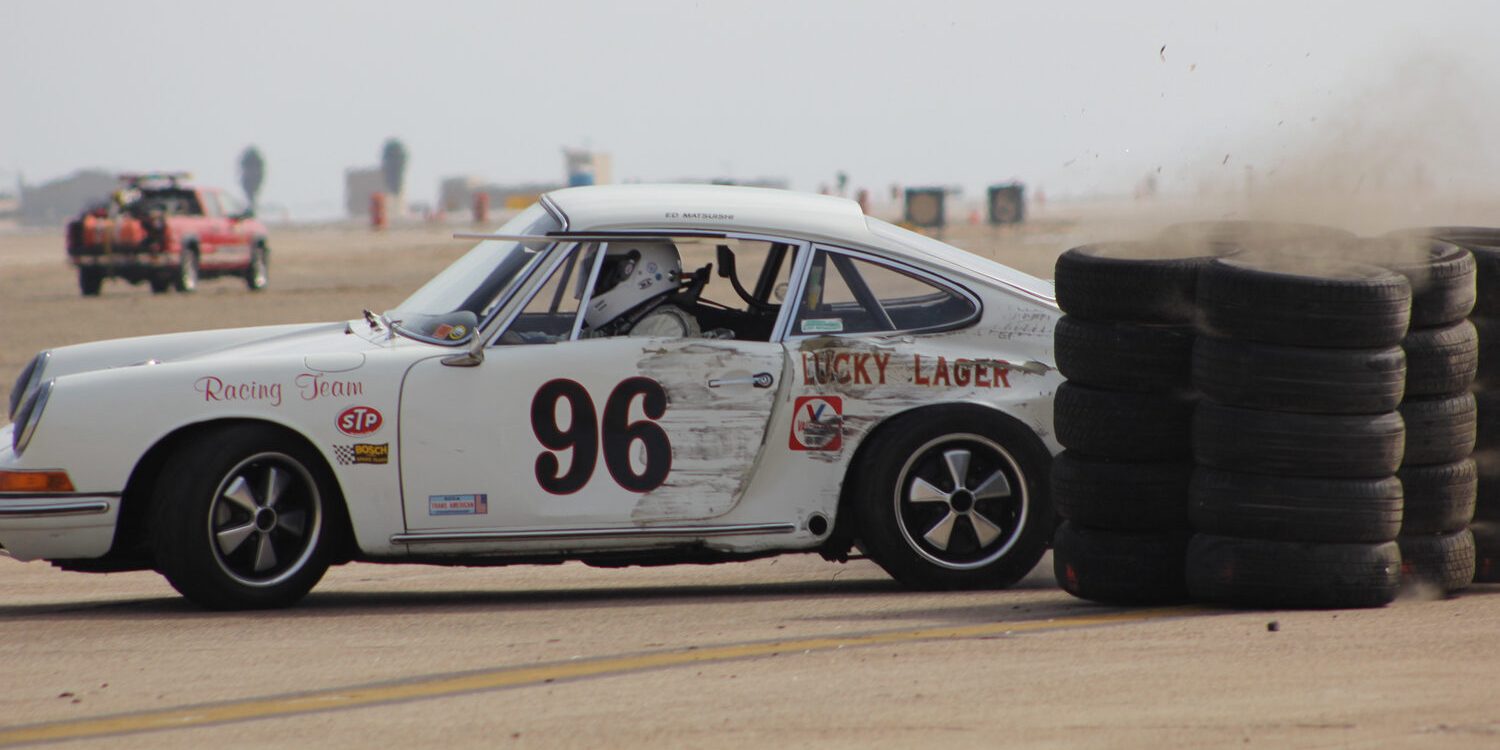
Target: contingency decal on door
(458, 505)
(817, 423)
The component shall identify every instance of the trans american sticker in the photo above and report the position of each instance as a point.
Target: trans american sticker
(458, 505)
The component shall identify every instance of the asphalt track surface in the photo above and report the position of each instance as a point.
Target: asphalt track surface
(790, 651)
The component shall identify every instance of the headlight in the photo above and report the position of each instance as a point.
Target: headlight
(30, 379)
(28, 416)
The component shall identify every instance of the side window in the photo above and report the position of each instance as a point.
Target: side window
(845, 294)
(693, 288)
(209, 207)
(550, 313)
(232, 206)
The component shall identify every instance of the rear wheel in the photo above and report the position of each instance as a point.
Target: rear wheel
(187, 271)
(160, 284)
(242, 520)
(952, 497)
(90, 281)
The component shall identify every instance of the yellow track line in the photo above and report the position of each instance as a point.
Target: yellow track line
(445, 685)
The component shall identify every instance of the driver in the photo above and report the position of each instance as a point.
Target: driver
(631, 297)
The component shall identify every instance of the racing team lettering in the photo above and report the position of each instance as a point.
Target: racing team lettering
(859, 368)
(215, 389)
(310, 385)
(316, 385)
(586, 433)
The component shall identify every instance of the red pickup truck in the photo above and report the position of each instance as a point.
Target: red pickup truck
(163, 231)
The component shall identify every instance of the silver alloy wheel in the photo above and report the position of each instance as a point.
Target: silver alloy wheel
(961, 501)
(265, 519)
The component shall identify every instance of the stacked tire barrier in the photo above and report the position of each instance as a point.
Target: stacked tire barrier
(1124, 419)
(1295, 500)
(1439, 479)
(1484, 245)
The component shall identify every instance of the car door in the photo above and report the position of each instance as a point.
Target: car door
(590, 433)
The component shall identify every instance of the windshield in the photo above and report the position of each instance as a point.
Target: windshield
(485, 277)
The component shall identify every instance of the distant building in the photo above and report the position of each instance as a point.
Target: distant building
(362, 182)
(54, 203)
(586, 167)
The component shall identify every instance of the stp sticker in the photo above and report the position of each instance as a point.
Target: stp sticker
(817, 423)
(458, 505)
(359, 420)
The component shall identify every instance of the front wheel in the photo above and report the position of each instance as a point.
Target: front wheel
(954, 497)
(242, 520)
(258, 274)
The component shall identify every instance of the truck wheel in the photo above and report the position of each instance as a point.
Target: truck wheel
(187, 271)
(160, 284)
(90, 280)
(242, 520)
(259, 272)
(952, 498)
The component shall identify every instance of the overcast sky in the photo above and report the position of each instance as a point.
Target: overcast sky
(1074, 96)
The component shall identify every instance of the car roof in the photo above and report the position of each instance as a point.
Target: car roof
(731, 207)
(734, 208)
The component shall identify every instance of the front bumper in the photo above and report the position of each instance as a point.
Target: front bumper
(125, 260)
(57, 526)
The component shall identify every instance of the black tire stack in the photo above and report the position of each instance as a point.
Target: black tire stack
(1439, 478)
(1124, 419)
(1294, 501)
(1484, 245)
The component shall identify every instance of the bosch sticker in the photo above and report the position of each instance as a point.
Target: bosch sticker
(817, 423)
(458, 505)
(359, 420)
(363, 453)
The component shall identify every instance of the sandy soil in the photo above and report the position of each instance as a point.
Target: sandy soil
(75, 646)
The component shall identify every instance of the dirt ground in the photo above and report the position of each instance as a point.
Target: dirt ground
(788, 651)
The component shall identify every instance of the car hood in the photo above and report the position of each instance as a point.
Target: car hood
(312, 339)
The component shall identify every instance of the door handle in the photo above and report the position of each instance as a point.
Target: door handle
(759, 380)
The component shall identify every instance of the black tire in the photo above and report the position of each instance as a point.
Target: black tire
(1486, 551)
(1305, 445)
(1441, 274)
(1440, 499)
(1123, 356)
(1310, 575)
(1484, 243)
(1295, 509)
(1299, 379)
(1439, 430)
(1488, 331)
(1120, 567)
(258, 273)
(954, 497)
(1120, 495)
(186, 279)
(1441, 361)
(1127, 281)
(208, 489)
(90, 281)
(1445, 561)
(160, 284)
(1123, 426)
(1303, 302)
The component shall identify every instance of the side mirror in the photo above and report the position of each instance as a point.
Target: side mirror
(726, 262)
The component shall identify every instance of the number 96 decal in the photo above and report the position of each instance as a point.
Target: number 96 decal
(586, 433)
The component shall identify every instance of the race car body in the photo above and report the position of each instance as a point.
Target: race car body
(832, 380)
(168, 233)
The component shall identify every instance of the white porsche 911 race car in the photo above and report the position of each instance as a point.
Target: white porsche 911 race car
(623, 375)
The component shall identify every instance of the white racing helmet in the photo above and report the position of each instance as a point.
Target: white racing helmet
(630, 276)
